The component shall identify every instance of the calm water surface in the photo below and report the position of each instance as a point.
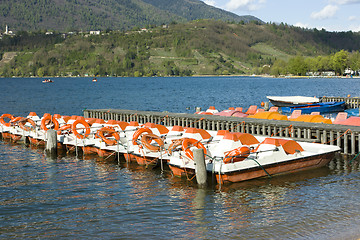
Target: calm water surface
(78, 198)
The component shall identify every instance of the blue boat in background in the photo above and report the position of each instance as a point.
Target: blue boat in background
(353, 112)
(324, 107)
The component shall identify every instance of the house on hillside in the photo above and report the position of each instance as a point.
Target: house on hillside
(95, 32)
(8, 32)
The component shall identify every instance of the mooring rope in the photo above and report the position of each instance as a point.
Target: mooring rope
(354, 158)
(197, 121)
(289, 127)
(348, 130)
(242, 123)
(261, 167)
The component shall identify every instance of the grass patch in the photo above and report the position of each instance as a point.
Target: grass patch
(268, 51)
(161, 52)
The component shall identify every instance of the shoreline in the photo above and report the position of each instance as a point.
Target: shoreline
(245, 75)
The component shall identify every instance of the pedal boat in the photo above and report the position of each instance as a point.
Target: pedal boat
(245, 157)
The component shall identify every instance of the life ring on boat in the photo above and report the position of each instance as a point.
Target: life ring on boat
(2, 119)
(237, 154)
(27, 120)
(48, 119)
(86, 127)
(175, 144)
(191, 142)
(63, 128)
(146, 140)
(106, 132)
(15, 119)
(138, 133)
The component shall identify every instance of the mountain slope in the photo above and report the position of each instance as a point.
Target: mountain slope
(199, 47)
(66, 15)
(195, 9)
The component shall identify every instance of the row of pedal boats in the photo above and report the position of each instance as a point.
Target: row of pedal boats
(230, 156)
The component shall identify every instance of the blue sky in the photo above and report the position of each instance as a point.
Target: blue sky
(332, 15)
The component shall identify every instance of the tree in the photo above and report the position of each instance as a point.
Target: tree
(41, 72)
(279, 68)
(297, 66)
(340, 61)
(127, 64)
(354, 61)
(324, 63)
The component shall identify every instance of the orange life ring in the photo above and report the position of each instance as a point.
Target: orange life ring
(191, 142)
(2, 119)
(15, 119)
(237, 154)
(46, 120)
(175, 144)
(109, 132)
(138, 133)
(146, 140)
(63, 128)
(85, 124)
(24, 121)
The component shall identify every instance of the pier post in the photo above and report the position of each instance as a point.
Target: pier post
(353, 144)
(266, 106)
(51, 143)
(200, 167)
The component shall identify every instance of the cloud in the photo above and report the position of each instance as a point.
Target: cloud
(355, 28)
(327, 12)
(210, 2)
(302, 25)
(353, 18)
(250, 5)
(343, 2)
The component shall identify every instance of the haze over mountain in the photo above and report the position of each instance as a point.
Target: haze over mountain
(67, 15)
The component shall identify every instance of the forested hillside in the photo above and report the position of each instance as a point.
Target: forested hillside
(200, 47)
(71, 15)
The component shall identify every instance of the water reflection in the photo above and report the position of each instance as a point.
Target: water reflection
(48, 198)
(86, 197)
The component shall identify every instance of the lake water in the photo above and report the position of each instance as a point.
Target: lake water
(86, 198)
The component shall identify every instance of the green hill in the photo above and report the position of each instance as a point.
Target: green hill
(200, 47)
(88, 15)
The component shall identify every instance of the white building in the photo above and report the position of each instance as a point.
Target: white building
(94, 32)
(7, 31)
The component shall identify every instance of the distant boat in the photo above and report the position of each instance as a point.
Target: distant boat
(94, 80)
(325, 107)
(288, 101)
(47, 80)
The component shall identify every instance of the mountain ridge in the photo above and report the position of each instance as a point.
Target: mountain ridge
(68, 15)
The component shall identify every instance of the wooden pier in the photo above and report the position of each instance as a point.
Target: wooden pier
(346, 137)
(350, 102)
